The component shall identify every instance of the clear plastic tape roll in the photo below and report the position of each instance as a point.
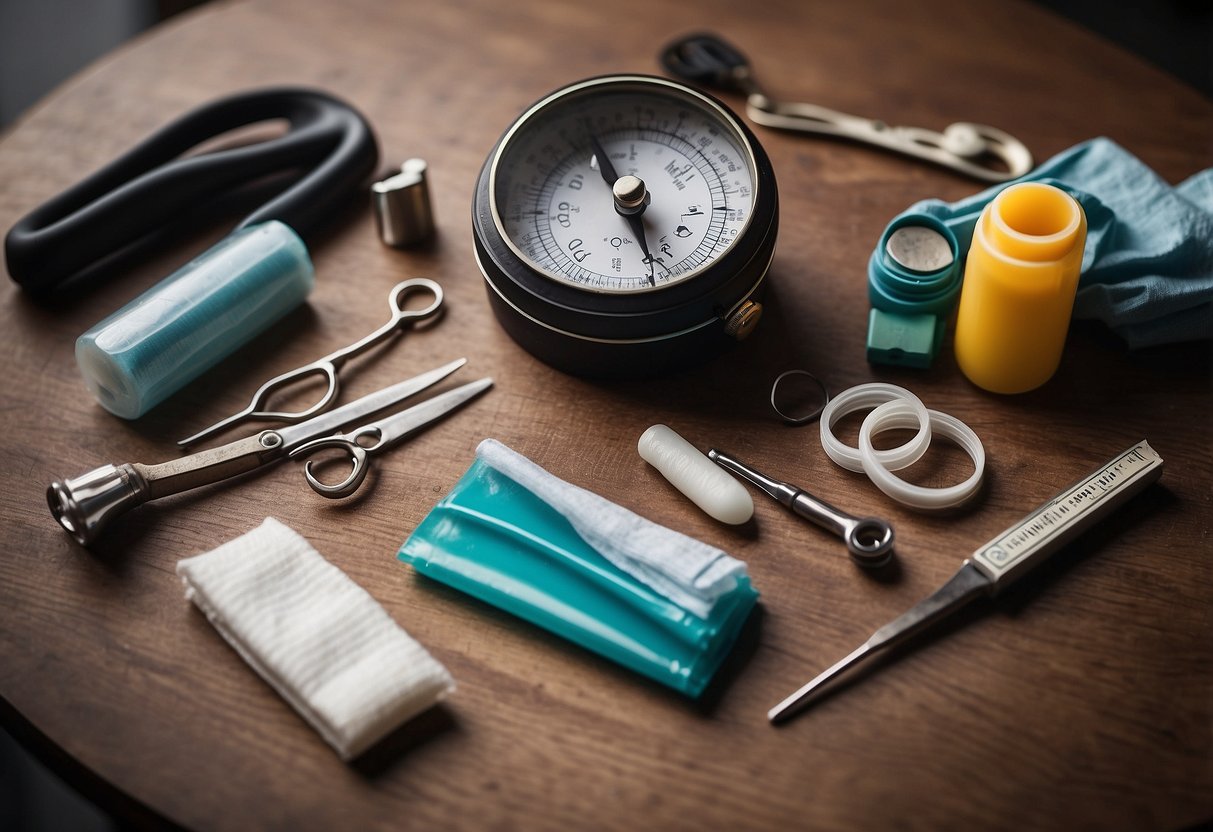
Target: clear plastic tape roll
(166, 337)
(898, 408)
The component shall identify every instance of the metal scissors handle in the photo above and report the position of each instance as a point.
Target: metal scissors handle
(328, 366)
(965, 147)
(372, 438)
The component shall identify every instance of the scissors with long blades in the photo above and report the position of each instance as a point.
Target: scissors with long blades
(381, 435)
(330, 365)
(84, 505)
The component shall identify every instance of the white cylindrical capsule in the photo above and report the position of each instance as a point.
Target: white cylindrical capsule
(704, 483)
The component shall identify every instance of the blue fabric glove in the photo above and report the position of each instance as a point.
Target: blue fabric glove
(1147, 271)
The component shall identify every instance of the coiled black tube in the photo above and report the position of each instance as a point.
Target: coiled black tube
(149, 185)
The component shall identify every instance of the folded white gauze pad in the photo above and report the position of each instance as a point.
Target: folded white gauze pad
(693, 575)
(317, 637)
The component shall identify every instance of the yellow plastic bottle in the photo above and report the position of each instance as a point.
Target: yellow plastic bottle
(1019, 285)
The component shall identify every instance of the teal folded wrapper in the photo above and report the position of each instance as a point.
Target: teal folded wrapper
(498, 542)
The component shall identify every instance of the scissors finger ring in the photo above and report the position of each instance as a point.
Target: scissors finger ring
(352, 481)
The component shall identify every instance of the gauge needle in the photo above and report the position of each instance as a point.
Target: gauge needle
(630, 202)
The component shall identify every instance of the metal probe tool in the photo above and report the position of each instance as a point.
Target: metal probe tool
(869, 539)
(1008, 556)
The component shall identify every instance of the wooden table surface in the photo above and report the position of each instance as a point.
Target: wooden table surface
(1081, 699)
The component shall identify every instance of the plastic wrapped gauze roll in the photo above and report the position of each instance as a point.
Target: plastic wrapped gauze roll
(184, 325)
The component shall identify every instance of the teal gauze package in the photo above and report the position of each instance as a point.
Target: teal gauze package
(499, 541)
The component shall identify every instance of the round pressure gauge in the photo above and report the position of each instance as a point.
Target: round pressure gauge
(624, 226)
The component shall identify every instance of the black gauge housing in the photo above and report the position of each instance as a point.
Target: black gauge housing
(601, 334)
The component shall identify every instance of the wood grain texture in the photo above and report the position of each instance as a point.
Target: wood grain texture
(1082, 699)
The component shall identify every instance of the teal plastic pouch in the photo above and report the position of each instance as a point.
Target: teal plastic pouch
(497, 541)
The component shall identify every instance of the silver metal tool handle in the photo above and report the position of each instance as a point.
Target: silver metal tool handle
(963, 147)
(1067, 515)
(869, 539)
(85, 505)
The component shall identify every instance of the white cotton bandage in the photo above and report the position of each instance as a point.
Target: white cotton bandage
(315, 636)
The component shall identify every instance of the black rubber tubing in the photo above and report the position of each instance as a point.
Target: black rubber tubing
(147, 186)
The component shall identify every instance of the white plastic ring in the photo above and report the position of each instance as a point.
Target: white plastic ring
(871, 395)
(902, 414)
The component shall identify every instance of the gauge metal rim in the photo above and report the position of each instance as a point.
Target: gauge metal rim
(619, 81)
(640, 333)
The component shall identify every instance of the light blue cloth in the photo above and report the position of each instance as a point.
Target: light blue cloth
(1147, 271)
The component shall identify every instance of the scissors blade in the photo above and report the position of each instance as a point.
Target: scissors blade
(295, 435)
(397, 426)
(385, 433)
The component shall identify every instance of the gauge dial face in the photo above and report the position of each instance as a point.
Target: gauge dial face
(553, 200)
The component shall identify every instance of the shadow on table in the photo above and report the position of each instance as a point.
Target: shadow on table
(388, 752)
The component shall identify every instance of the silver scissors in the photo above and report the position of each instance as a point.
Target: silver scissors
(328, 366)
(380, 436)
(85, 505)
(964, 147)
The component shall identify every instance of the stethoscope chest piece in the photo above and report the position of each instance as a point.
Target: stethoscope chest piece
(624, 226)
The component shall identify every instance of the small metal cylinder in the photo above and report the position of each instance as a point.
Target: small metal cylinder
(402, 206)
(631, 195)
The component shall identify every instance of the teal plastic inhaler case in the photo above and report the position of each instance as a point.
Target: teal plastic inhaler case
(498, 542)
(912, 298)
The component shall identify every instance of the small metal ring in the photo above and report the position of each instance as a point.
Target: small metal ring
(799, 420)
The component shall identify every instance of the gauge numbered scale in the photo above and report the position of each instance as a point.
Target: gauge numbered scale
(624, 226)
